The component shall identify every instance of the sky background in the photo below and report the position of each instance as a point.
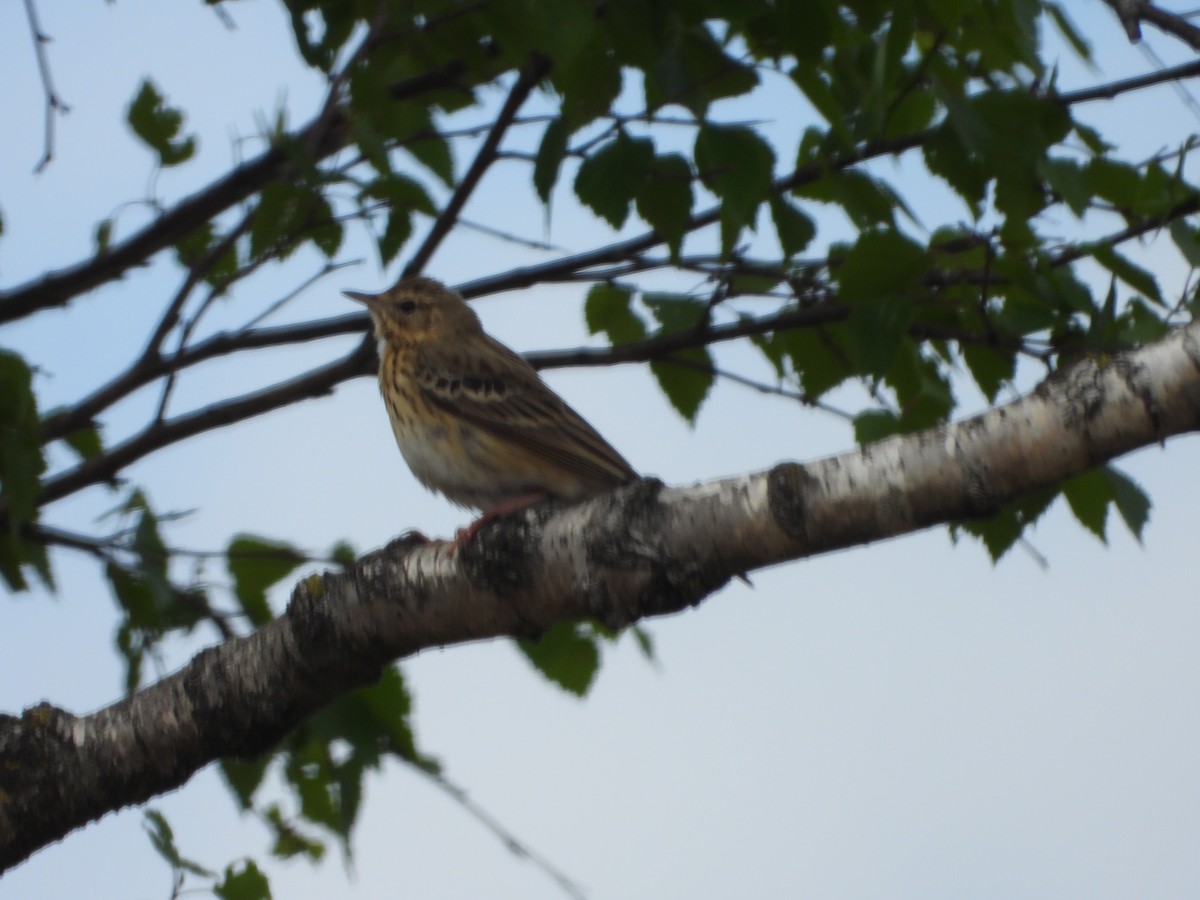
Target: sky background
(898, 720)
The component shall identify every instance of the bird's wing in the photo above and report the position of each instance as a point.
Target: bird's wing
(497, 390)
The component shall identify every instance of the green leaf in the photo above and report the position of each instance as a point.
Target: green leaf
(255, 564)
(158, 125)
(1069, 180)
(401, 192)
(867, 201)
(1089, 495)
(795, 229)
(875, 425)
(21, 460)
(244, 776)
(288, 213)
(589, 84)
(343, 554)
(1068, 30)
(991, 367)
(550, 154)
(434, 154)
(686, 377)
(246, 883)
(874, 333)
(737, 165)
(609, 179)
(1187, 239)
(397, 231)
(645, 642)
(290, 841)
(1132, 502)
(1130, 273)
(691, 69)
(1001, 531)
(162, 838)
(565, 655)
(664, 198)
(607, 309)
(192, 249)
(817, 357)
(676, 312)
(881, 264)
(1092, 493)
(103, 236)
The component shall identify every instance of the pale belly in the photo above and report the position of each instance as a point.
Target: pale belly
(455, 460)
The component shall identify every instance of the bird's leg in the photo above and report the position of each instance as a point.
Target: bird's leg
(464, 535)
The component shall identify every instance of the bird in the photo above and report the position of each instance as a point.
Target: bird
(474, 421)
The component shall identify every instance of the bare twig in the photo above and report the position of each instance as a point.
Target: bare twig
(60, 287)
(459, 796)
(531, 74)
(54, 103)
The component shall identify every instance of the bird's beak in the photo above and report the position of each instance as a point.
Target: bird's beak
(369, 300)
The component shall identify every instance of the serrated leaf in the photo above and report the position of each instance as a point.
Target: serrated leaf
(875, 425)
(401, 192)
(1069, 180)
(794, 228)
(434, 154)
(566, 656)
(874, 333)
(1132, 502)
(607, 309)
(1088, 496)
(395, 233)
(737, 165)
(686, 377)
(158, 125)
(245, 883)
(255, 564)
(991, 367)
(817, 358)
(664, 198)
(1001, 531)
(881, 264)
(609, 179)
(548, 160)
(1187, 239)
(244, 776)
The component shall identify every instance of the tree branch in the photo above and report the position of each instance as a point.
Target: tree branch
(1132, 13)
(531, 74)
(644, 550)
(60, 287)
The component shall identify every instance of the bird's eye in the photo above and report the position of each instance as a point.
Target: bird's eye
(408, 306)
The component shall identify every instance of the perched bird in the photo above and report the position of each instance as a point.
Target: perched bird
(472, 418)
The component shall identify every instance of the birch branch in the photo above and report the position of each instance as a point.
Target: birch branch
(644, 550)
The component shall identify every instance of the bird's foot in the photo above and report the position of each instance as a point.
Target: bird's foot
(463, 536)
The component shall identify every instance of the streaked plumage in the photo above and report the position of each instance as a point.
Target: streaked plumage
(472, 418)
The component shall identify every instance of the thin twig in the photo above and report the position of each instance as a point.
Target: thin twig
(54, 103)
(459, 796)
(531, 74)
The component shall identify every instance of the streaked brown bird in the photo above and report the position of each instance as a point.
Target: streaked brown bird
(472, 418)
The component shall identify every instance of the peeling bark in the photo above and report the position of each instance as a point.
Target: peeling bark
(643, 550)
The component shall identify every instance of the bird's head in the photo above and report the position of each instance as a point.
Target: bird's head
(416, 309)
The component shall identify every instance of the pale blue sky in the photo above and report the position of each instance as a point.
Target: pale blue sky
(901, 720)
